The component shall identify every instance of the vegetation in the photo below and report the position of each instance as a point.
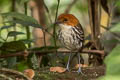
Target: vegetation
(28, 39)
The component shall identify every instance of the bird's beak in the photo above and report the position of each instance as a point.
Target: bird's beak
(57, 22)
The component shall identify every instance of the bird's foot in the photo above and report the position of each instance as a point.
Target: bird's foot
(80, 71)
(67, 69)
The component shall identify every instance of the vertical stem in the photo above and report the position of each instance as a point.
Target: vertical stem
(94, 15)
(13, 10)
(44, 34)
(27, 27)
(54, 28)
(47, 10)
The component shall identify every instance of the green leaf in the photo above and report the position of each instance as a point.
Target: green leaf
(14, 33)
(26, 41)
(21, 19)
(116, 28)
(19, 16)
(12, 47)
(5, 27)
(112, 62)
(25, 23)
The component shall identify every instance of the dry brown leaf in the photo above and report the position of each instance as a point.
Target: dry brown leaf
(30, 73)
(57, 69)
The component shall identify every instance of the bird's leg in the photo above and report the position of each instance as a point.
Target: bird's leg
(79, 69)
(68, 63)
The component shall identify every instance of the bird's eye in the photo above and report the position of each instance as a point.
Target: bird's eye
(65, 19)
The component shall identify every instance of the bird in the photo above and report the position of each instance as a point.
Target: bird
(70, 35)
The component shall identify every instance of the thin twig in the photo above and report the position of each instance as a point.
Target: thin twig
(70, 6)
(47, 10)
(13, 10)
(101, 52)
(54, 27)
(44, 34)
(27, 28)
(46, 30)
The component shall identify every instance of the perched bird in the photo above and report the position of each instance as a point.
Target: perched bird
(71, 35)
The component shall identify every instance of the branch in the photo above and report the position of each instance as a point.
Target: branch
(5, 77)
(101, 52)
(14, 72)
(25, 53)
(22, 53)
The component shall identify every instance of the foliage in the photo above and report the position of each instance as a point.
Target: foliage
(112, 46)
(12, 47)
(5, 5)
(21, 19)
(112, 65)
(14, 33)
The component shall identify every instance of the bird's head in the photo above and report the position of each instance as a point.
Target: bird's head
(65, 20)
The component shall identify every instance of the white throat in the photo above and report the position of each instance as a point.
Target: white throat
(65, 27)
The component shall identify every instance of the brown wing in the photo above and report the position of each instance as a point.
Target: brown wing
(79, 31)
